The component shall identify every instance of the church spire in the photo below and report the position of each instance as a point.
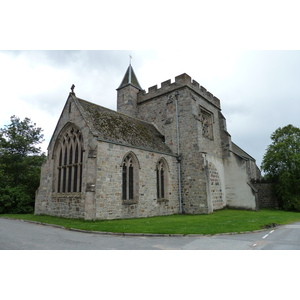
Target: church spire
(130, 79)
(128, 93)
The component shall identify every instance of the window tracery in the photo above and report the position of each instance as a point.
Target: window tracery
(69, 162)
(130, 178)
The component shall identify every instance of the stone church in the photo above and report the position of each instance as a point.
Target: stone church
(165, 151)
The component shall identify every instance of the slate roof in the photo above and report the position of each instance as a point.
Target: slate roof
(130, 79)
(240, 152)
(111, 126)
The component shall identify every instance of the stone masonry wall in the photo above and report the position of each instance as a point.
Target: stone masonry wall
(43, 194)
(161, 111)
(72, 205)
(127, 101)
(215, 188)
(69, 205)
(109, 203)
(180, 81)
(158, 107)
(194, 181)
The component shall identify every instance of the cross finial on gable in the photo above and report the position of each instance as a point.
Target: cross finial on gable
(72, 88)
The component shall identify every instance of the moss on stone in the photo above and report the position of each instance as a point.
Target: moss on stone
(116, 127)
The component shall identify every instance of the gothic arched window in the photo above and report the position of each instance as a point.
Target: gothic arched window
(162, 179)
(69, 162)
(130, 178)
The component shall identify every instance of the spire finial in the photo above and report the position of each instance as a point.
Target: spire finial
(130, 57)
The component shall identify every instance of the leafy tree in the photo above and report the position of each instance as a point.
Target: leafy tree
(281, 163)
(20, 162)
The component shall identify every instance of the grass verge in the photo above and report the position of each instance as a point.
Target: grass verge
(223, 221)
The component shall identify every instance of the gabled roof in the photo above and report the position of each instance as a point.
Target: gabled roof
(130, 79)
(240, 152)
(111, 126)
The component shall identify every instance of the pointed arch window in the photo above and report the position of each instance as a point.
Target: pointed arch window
(162, 179)
(130, 179)
(69, 162)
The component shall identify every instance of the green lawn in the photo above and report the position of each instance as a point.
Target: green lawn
(223, 221)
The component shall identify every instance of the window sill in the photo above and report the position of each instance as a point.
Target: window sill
(129, 201)
(162, 200)
(67, 195)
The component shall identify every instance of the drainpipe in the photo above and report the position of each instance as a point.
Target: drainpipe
(178, 154)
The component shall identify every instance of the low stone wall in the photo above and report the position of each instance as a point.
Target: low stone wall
(266, 198)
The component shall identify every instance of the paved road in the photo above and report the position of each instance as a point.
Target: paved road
(19, 235)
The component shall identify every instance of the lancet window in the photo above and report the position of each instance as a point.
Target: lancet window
(162, 179)
(130, 178)
(69, 162)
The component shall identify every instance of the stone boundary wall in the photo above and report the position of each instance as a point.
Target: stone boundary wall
(266, 198)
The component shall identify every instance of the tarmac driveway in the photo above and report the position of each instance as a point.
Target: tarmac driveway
(20, 235)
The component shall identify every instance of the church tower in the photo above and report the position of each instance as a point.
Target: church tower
(127, 93)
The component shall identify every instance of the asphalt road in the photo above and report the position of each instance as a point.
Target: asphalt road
(19, 235)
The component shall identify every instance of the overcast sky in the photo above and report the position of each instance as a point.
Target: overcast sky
(259, 90)
(209, 40)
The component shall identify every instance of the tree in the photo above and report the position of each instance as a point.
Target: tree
(20, 162)
(281, 163)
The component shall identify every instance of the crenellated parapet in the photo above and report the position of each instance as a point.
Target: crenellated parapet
(181, 81)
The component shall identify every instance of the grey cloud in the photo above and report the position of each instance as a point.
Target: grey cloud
(259, 93)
